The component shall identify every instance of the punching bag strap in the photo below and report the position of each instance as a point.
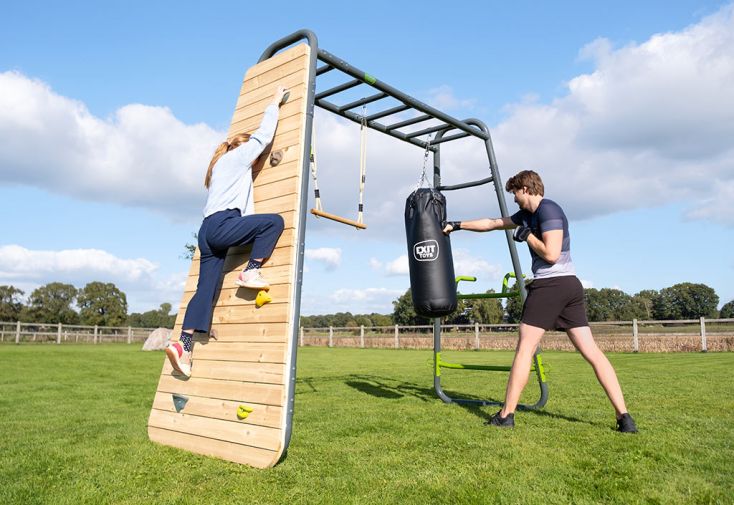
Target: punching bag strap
(423, 177)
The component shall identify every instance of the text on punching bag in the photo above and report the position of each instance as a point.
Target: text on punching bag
(426, 250)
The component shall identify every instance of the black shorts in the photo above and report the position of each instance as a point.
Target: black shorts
(555, 303)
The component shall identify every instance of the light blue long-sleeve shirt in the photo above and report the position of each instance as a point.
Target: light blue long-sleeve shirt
(231, 182)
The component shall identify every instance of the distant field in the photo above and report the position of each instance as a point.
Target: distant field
(368, 429)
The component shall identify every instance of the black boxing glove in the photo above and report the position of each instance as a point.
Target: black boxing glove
(521, 233)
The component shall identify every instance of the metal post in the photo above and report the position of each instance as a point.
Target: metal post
(635, 337)
(476, 336)
(17, 333)
(361, 336)
(58, 335)
(129, 335)
(397, 341)
(331, 336)
(300, 335)
(95, 333)
(704, 347)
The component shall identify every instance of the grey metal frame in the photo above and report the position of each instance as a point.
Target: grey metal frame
(466, 128)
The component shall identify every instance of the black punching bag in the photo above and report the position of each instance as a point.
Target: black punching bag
(432, 279)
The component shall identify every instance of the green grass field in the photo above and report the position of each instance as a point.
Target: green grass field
(368, 429)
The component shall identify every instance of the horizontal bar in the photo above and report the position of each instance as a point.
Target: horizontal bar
(449, 138)
(371, 124)
(388, 112)
(363, 101)
(323, 69)
(465, 185)
(334, 217)
(345, 67)
(338, 89)
(493, 368)
(429, 130)
(409, 122)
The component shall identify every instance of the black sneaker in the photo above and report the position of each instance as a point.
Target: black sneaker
(502, 422)
(626, 424)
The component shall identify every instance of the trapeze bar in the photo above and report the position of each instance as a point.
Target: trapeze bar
(334, 217)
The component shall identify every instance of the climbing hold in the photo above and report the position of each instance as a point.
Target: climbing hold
(179, 402)
(262, 298)
(243, 411)
(275, 158)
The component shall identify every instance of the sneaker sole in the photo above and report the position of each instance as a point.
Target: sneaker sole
(175, 363)
(242, 284)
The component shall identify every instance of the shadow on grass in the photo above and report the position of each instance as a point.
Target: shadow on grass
(392, 389)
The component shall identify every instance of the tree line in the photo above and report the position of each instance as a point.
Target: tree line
(680, 301)
(97, 303)
(104, 304)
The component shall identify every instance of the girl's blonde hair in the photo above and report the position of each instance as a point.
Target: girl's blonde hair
(220, 151)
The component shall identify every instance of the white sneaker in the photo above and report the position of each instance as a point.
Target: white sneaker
(252, 279)
(175, 352)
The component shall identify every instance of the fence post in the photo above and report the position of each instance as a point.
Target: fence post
(95, 334)
(17, 333)
(635, 337)
(361, 336)
(397, 339)
(129, 335)
(704, 347)
(300, 336)
(331, 336)
(58, 335)
(476, 336)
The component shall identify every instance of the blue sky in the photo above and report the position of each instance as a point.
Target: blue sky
(108, 112)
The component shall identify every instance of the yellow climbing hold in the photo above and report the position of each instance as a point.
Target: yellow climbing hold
(262, 298)
(243, 411)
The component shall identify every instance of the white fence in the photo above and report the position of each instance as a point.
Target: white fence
(622, 336)
(70, 333)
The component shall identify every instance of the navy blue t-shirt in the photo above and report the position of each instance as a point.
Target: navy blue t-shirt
(548, 216)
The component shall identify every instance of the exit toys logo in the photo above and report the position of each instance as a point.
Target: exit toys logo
(426, 250)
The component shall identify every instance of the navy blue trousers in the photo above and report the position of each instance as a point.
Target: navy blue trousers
(219, 232)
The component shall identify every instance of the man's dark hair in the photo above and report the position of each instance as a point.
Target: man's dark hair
(526, 179)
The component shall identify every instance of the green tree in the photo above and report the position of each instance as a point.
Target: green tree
(608, 304)
(513, 307)
(11, 303)
(727, 311)
(686, 301)
(102, 304)
(486, 311)
(52, 303)
(160, 318)
(404, 313)
(643, 304)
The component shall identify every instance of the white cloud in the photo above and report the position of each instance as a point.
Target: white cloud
(587, 284)
(364, 295)
(330, 256)
(650, 125)
(141, 156)
(466, 264)
(398, 266)
(376, 264)
(138, 278)
(19, 262)
(443, 98)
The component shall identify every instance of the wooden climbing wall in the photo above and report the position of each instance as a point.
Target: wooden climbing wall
(245, 360)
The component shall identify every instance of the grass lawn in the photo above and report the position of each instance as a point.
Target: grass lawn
(369, 429)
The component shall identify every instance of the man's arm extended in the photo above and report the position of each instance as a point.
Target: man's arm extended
(487, 224)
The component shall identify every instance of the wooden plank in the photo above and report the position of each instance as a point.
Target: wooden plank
(265, 373)
(241, 332)
(261, 415)
(245, 455)
(218, 429)
(236, 391)
(246, 359)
